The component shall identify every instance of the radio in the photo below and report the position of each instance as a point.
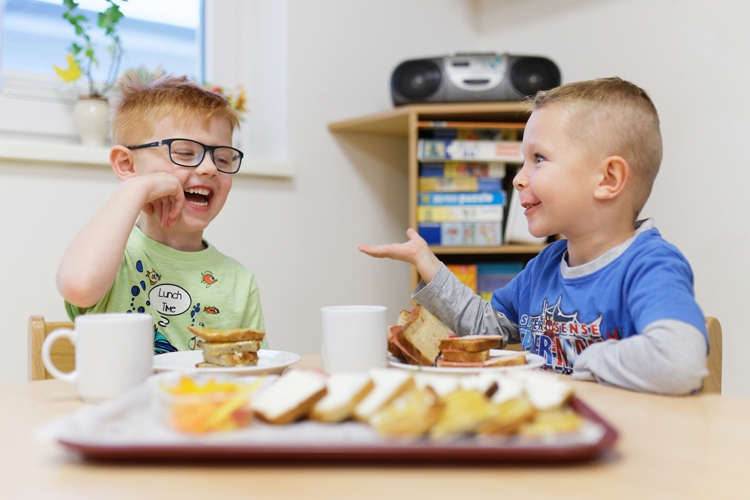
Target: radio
(472, 77)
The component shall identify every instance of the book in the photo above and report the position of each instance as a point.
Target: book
(427, 198)
(493, 276)
(466, 274)
(460, 213)
(446, 149)
(461, 233)
(460, 184)
(462, 169)
(516, 227)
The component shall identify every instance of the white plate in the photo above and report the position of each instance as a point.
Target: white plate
(268, 362)
(533, 361)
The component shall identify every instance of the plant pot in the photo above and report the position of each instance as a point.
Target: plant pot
(91, 118)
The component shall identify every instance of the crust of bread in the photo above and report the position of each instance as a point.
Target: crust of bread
(471, 344)
(232, 359)
(519, 359)
(299, 405)
(421, 336)
(297, 412)
(235, 335)
(458, 355)
(382, 395)
(206, 364)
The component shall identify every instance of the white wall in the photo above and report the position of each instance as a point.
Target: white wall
(300, 236)
(693, 57)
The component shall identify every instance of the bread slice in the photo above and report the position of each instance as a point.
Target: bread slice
(291, 397)
(235, 335)
(344, 392)
(389, 384)
(458, 355)
(464, 411)
(420, 337)
(410, 414)
(547, 392)
(442, 384)
(219, 348)
(507, 417)
(518, 359)
(472, 343)
(232, 359)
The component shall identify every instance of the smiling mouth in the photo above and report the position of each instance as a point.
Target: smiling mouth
(198, 196)
(528, 206)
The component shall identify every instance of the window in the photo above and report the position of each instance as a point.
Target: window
(232, 42)
(154, 33)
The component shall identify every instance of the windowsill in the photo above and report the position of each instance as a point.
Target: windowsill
(77, 155)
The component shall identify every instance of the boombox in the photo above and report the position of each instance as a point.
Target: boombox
(472, 77)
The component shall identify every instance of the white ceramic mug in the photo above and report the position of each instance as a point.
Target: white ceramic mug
(114, 353)
(353, 338)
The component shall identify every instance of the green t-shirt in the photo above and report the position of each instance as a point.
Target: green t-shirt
(181, 289)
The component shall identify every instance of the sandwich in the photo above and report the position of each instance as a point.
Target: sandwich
(291, 397)
(417, 340)
(474, 352)
(389, 385)
(228, 348)
(344, 392)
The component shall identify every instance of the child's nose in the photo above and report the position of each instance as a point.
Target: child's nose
(207, 166)
(521, 180)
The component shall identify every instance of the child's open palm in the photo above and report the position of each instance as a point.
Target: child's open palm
(415, 251)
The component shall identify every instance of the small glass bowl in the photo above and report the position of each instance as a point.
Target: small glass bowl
(200, 407)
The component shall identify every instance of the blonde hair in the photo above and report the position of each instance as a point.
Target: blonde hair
(140, 105)
(614, 117)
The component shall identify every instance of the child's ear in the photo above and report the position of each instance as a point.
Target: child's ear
(121, 159)
(614, 175)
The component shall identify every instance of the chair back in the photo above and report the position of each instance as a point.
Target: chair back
(712, 382)
(62, 352)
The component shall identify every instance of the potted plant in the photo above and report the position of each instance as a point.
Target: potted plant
(91, 112)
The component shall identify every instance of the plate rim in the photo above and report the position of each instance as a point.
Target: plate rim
(229, 369)
(465, 370)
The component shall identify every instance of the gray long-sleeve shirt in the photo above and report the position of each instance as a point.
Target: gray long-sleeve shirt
(667, 357)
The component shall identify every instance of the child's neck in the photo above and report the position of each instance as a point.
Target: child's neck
(584, 248)
(185, 242)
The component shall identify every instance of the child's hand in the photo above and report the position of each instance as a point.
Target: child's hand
(164, 196)
(415, 251)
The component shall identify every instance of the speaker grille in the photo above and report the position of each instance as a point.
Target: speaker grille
(416, 80)
(532, 74)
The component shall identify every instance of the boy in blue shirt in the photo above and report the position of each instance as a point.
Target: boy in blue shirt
(612, 302)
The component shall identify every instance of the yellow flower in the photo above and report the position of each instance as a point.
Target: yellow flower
(73, 72)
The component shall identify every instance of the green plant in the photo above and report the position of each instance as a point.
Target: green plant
(82, 56)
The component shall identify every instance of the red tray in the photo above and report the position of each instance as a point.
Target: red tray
(423, 451)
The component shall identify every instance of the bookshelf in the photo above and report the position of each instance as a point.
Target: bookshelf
(406, 122)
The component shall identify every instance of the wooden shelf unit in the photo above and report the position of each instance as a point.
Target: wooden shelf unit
(406, 121)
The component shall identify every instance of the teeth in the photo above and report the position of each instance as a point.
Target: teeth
(200, 191)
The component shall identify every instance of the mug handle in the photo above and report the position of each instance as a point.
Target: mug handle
(47, 360)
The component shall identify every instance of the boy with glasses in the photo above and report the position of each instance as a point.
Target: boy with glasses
(143, 251)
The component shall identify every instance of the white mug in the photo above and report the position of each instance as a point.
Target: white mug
(353, 338)
(114, 353)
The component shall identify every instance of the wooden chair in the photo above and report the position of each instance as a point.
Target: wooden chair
(712, 382)
(62, 351)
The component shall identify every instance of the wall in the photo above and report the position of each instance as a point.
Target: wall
(300, 236)
(692, 58)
